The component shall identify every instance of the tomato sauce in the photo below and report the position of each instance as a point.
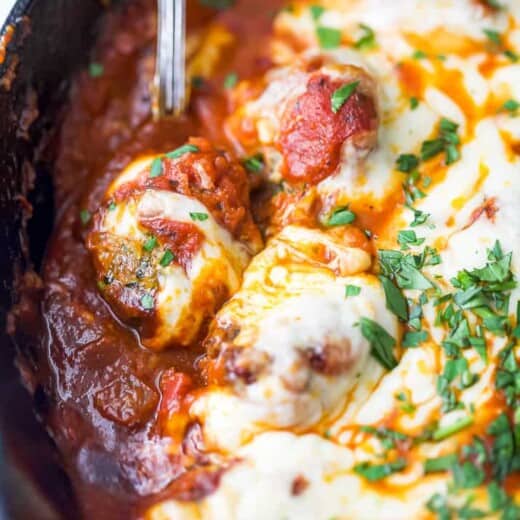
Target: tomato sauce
(102, 394)
(312, 134)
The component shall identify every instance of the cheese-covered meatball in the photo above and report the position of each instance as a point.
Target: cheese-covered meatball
(287, 348)
(308, 118)
(171, 240)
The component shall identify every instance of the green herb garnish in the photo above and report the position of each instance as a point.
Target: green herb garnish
(382, 344)
(340, 217)
(341, 95)
(184, 149)
(201, 217)
(156, 169)
(352, 290)
(373, 472)
(367, 40)
(230, 80)
(328, 38)
(147, 302)
(167, 258)
(85, 216)
(96, 70)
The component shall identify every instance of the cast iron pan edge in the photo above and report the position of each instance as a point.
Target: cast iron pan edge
(51, 39)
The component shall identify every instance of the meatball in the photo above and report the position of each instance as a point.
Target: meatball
(286, 350)
(309, 118)
(171, 240)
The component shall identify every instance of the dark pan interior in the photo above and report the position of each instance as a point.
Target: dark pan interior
(51, 39)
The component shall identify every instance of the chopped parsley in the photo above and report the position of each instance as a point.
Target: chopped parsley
(352, 290)
(407, 406)
(340, 217)
(316, 12)
(201, 217)
(254, 164)
(197, 82)
(407, 238)
(419, 217)
(373, 472)
(395, 301)
(407, 162)
(493, 36)
(444, 432)
(494, 4)
(511, 55)
(184, 149)
(467, 475)
(442, 463)
(230, 80)
(85, 216)
(414, 338)
(414, 103)
(511, 106)
(156, 169)
(112, 206)
(167, 258)
(328, 37)
(367, 39)
(147, 302)
(382, 344)
(96, 70)
(150, 243)
(447, 142)
(388, 437)
(419, 55)
(405, 269)
(218, 4)
(341, 95)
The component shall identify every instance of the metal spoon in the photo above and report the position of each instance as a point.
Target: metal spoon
(170, 92)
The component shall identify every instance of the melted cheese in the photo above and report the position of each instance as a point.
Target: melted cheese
(184, 297)
(467, 84)
(288, 307)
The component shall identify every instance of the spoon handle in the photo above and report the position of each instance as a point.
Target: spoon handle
(170, 92)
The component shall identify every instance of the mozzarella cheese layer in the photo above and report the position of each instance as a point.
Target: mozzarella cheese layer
(328, 451)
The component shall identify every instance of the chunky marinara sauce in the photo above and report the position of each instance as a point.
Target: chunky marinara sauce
(101, 394)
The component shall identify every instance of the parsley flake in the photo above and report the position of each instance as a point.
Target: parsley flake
(254, 164)
(493, 36)
(147, 302)
(150, 243)
(230, 80)
(184, 149)
(395, 301)
(341, 95)
(167, 258)
(407, 238)
(367, 40)
(414, 338)
(511, 106)
(85, 216)
(201, 217)
(156, 169)
(96, 70)
(352, 290)
(218, 4)
(316, 11)
(407, 162)
(373, 472)
(444, 432)
(340, 217)
(382, 343)
(328, 37)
